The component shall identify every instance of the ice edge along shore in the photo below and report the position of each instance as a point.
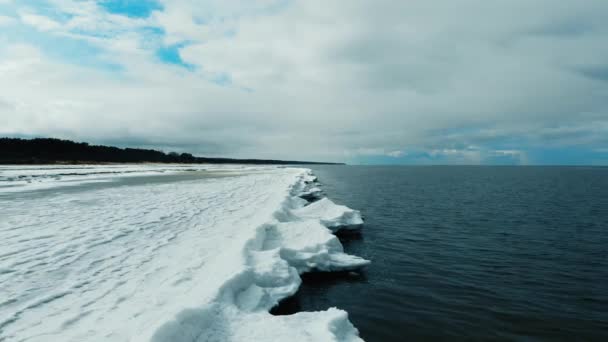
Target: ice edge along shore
(299, 239)
(203, 259)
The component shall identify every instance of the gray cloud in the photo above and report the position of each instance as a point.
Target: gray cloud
(599, 73)
(327, 80)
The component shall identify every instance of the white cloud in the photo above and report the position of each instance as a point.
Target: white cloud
(396, 154)
(457, 156)
(6, 20)
(506, 152)
(40, 22)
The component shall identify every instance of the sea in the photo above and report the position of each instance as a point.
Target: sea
(470, 253)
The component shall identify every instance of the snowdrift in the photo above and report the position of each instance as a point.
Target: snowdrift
(333, 216)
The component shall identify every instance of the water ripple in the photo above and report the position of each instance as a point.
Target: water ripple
(507, 253)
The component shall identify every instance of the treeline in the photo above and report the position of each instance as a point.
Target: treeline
(51, 151)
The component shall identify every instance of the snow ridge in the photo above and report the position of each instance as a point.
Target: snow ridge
(298, 239)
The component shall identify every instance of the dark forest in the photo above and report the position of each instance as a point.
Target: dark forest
(53, 151)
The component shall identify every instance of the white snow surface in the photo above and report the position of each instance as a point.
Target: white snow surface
(335, 217)
(195, 260)
(18, 178)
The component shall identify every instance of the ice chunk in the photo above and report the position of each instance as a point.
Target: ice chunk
(308, 245)
(309, 178)
(274, 277)
(218, 324)
(329, 325)
(312, 194)
(333, 216)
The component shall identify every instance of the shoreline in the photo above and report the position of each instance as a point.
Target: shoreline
(300, 240)
(215, 255)
(15, 151)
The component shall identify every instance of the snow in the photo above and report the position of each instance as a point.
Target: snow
(19, 178)
(195, 260)
(308, 245)
(312, 194)
(335, 217)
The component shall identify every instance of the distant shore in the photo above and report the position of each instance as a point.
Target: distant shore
(52, 151)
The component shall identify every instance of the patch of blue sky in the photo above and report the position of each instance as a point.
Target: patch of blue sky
(274, 7)
(252, 9)
(66, 49)
(567, 156)
(533, 156)
(379, 160)
(39, 7)
(504, 159)
(7, 10)
(62, 48)
(411, 158)
(425, 157)
(153, 30)
(131, 8)
(151, 35)
(170, 55)
(223, 79)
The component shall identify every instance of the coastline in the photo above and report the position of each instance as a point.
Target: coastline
(51, 151)
(282, 250)
(210, 279)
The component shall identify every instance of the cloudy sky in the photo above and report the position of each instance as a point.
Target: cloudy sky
(360, 81)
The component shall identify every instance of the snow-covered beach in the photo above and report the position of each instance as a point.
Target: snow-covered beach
(165, 253)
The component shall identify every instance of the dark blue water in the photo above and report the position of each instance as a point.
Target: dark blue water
(478, 253)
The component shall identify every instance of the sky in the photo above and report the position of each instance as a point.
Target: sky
(358, 81)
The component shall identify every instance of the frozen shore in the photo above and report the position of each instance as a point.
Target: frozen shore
(200, 260)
